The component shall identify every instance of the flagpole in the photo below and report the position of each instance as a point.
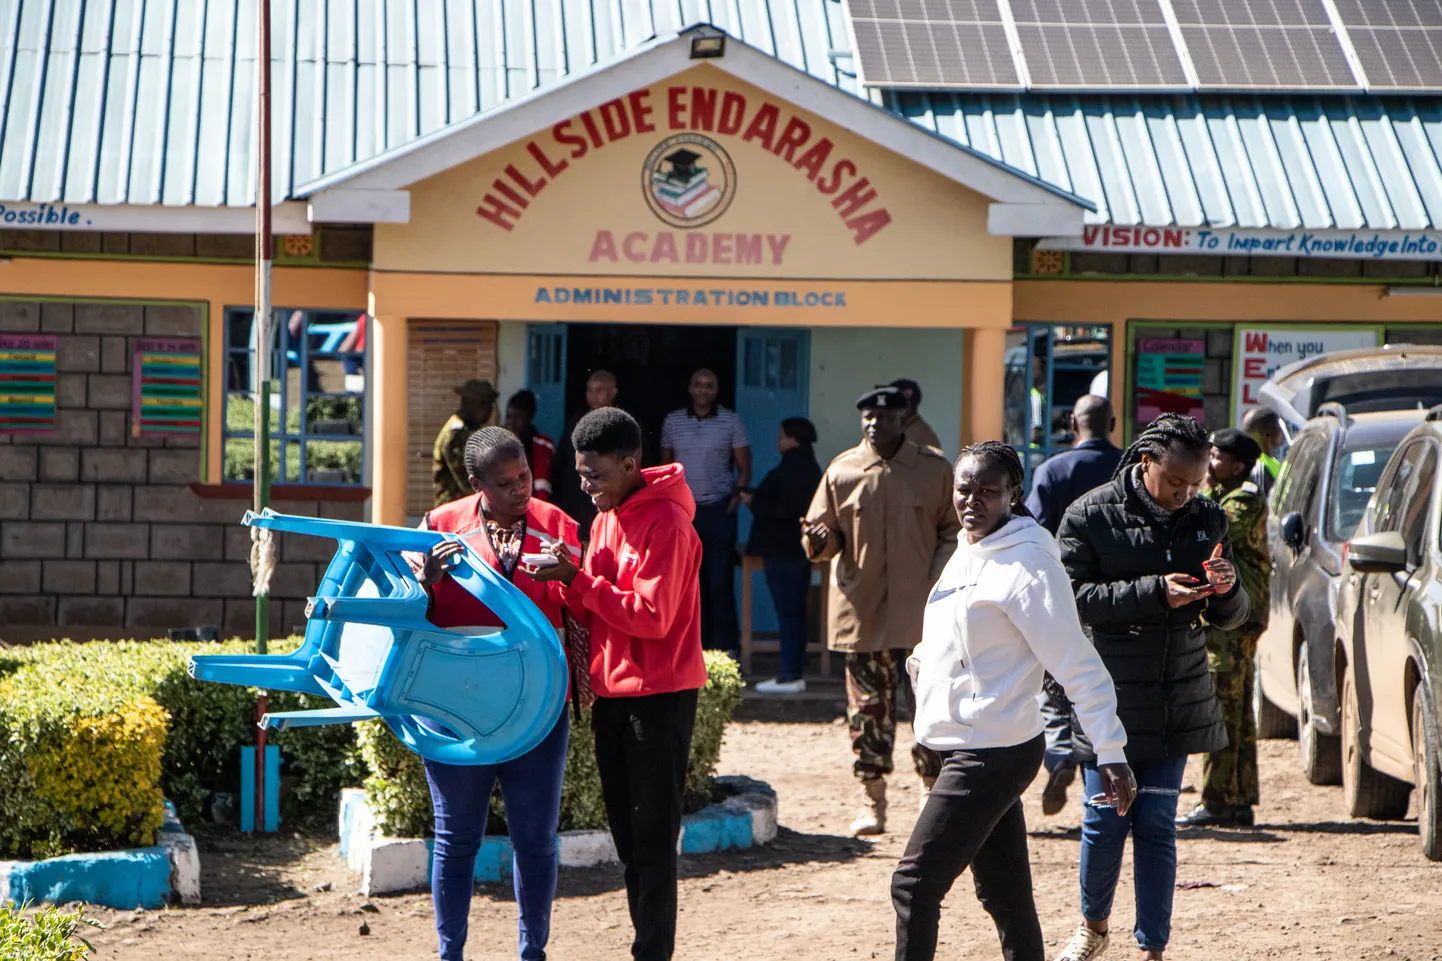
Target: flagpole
(263, 548)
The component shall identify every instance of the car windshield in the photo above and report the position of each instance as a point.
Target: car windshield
(1353, 481)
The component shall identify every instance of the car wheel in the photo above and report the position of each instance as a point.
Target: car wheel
(1273, 723)
(1321, 754)
(1368, 793)
(1427, 777)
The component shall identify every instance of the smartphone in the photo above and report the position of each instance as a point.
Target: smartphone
(1198, 584)
(540, 560)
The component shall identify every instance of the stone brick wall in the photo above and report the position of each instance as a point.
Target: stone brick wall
(100, 531)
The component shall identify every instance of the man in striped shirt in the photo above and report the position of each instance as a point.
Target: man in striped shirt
(709, 441)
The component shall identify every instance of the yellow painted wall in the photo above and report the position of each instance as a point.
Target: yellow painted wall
(587, 212)
(217, 286)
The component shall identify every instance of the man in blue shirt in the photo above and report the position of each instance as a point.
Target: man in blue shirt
(1056, 484)
(1089, 464)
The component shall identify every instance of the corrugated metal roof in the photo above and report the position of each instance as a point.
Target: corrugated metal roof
(151, 101)
(1284, 162)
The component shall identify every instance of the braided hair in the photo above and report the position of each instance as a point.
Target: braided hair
(1164, 434)
(488, 445)
(1005, 456)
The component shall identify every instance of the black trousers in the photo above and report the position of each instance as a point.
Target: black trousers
(643, 746)
(973, 819)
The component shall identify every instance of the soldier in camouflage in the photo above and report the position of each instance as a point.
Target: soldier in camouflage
(448, 457)
(1229, 777)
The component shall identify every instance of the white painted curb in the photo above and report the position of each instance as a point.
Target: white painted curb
(746, 818)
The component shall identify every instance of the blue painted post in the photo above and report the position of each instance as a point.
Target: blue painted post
(247, 790)
(271, 811)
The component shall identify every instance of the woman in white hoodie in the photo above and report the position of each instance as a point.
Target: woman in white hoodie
(1001, 615)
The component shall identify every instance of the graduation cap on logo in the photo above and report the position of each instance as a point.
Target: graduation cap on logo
(683, 163)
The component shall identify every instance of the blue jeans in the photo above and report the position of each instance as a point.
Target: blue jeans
(789, 581)
(1152, 824)
(461, 796)
(717, 530)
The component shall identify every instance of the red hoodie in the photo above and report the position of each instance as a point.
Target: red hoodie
(641, 591)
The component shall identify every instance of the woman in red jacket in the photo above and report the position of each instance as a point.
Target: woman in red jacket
(501, 521)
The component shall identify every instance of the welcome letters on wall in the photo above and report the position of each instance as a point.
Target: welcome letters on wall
(689, 178)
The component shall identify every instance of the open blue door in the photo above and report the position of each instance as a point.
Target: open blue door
(546, 376)
(772, 384)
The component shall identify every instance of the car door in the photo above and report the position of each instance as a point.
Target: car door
(1294, 492)
(1389, 597)
(1377, 675)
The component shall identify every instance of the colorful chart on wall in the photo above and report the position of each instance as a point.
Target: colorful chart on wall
(1169, 377)
(27, 383)
(167, 395)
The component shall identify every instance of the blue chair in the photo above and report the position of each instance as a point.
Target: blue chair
(479, 695)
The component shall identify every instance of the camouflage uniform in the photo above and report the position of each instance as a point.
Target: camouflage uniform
(448, 460)
(873, 683)
(1229, 777)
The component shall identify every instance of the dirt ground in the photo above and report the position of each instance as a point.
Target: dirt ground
(1308, 882)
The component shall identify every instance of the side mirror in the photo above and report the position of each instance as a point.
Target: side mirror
(1384, 553)
(1292, 531)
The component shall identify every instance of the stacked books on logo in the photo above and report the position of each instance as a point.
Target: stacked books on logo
(685, 189)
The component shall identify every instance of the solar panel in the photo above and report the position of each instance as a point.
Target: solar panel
(1097, 43)
(1260, 44)
(1399, 42)
(932, 43)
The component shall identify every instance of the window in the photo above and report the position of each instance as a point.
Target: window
(1300, 473)
(1387, 507)
(317, 402)
(1354, 481)
(1049, 367)
(1419, 501)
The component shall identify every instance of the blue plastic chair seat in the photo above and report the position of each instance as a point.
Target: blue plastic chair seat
(458, 696)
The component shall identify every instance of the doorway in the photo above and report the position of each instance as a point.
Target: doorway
(653, 366)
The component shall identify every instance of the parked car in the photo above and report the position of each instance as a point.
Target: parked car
(1394, 377)
(1389, 643)
(1330, 473)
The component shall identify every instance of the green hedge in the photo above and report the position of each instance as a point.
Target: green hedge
(208, 724)
(79, 766)
(402, 802)
(93, 737)
(49, 934)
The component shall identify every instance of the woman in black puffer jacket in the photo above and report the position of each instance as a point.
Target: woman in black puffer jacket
(1149, 561)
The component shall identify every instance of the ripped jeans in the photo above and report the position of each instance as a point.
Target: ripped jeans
(1152, 824)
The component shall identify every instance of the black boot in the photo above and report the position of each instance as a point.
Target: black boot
(1243, 815)
(1205, 817)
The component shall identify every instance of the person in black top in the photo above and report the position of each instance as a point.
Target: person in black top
(1153, 570)
(1089, 464)
(777, 506)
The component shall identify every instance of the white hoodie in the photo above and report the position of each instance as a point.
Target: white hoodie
(1001, 613)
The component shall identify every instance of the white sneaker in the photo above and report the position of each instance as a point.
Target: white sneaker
(1085, 945)
(774, 686)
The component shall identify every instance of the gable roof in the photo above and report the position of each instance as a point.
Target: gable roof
(399, 168)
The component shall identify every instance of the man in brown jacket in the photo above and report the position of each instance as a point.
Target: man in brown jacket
(883, 515)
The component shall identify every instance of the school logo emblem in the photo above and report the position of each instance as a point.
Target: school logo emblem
(688, 180)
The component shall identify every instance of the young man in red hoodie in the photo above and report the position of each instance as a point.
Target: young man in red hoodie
(639, 593)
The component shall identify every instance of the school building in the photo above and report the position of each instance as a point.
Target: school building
(524, 195)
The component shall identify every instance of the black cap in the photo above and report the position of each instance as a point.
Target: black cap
(883, 398)
(1238, 443)
(910, 388)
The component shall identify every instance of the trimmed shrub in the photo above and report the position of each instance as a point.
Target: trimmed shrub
(401, 800)
(79, 766)
(209, 723)
(49, 934)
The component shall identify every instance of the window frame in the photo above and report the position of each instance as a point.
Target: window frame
(282, 348)
(1049, 333)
